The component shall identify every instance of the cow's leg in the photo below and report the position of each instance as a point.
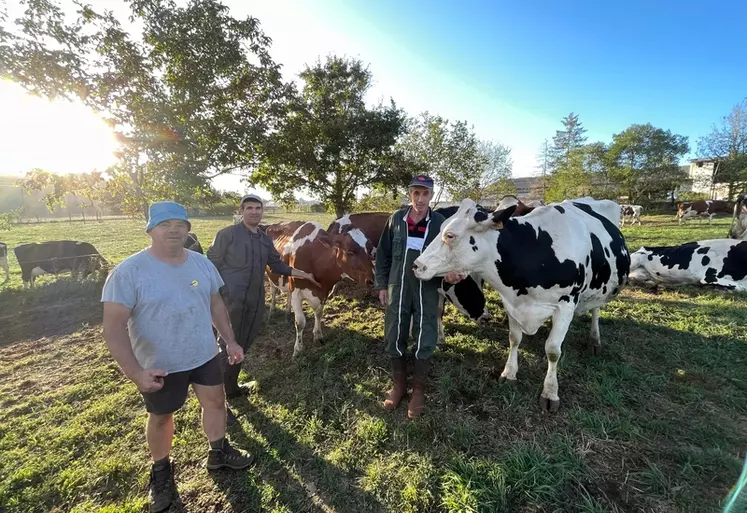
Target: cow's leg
(439, 320)
(273, 297)
(710, 218)
(318, 307)
(514, 340)
(595, 343)
(4, 263)
(561, 321)
(297, 302)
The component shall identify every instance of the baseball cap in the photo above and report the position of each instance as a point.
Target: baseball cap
(163, 211)
(421, 181)
(252, 197)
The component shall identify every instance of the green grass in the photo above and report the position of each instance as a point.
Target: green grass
(655, 423)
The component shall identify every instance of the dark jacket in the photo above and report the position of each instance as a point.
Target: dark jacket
(392, 247)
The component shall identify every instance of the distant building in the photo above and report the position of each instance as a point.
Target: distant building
(700, 174)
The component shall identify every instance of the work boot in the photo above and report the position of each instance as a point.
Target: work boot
(161, 488)
(399, 378)
(417, 400)
(228, 457)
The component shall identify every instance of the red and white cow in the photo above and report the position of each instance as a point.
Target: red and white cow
(557, 262)
(365, 228)
(631, 211)
(330, 258)
(717, 263)
(701, 209)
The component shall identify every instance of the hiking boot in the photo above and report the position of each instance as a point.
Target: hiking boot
(161, 488)
(399, 378)
(417, 400)
(228, 457)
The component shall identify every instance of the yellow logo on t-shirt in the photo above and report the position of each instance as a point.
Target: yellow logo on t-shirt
(195, 283)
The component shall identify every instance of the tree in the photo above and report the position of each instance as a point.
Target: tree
(190, 95)
(566, 140)
(644, 161)
(544, 168)
(448, 151)
(488, 176)
(332, 144)
(727, 145)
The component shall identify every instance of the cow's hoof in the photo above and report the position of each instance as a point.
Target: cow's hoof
(549, 405)
(506, 381)
(594, 349)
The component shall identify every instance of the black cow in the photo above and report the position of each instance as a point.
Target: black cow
(58, 256)
(193, 244)
(4, 259)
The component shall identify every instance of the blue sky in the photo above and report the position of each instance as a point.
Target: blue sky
(512, 69)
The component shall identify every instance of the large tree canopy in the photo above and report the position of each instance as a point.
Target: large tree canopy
(190, 91)
(332, 144)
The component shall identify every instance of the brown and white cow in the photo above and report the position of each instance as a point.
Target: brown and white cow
(330, 258)
(702, 208)
(4, 260)
(365, 228)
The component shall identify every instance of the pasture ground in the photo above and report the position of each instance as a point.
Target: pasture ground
(656, 423)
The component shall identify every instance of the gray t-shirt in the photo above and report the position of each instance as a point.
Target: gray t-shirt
(170, 324)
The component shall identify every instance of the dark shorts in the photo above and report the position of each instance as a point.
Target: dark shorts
(175, 388)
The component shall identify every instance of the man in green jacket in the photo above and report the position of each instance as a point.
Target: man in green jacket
(407, 233)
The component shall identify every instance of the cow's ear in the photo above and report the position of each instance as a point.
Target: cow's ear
(500, 217)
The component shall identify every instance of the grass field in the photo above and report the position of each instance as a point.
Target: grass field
(656, 423)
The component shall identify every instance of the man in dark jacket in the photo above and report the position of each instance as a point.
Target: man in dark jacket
(406, 235)
(240, 252)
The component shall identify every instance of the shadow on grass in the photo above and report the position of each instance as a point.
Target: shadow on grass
(58, 308)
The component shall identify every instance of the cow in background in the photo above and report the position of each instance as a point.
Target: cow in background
(4, 260)
(558, 262)
(738, 229)
(54, 257)
(702, 208)
(365, 228)
(193, 244)
(631, 211)
(717, 262)
(330, 258)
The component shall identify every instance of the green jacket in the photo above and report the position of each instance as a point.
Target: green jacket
(390, 252)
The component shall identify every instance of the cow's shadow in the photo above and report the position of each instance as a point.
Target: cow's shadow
(59, 308)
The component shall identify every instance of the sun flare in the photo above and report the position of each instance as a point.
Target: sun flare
(59, 136)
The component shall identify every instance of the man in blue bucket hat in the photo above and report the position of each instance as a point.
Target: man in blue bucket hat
(159, 308)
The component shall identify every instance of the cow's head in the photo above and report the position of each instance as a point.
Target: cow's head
(351, 258)
(462, 243)
(738, 229)
(638, 274)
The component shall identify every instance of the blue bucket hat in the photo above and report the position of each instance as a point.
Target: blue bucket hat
(163, 211)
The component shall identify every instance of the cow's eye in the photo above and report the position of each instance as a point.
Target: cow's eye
(449, 235)
(351, 253)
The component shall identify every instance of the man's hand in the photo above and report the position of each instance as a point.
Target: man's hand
(310, 277)
(454, 277)
(235, 353)
(149, 380)
(383, 297)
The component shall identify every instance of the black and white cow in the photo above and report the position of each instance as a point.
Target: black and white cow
(559, 261)
(4, 260)
(718, 262)
(630, 211)
(58, 256)
(738, 228)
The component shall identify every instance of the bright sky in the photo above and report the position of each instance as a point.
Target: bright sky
(513, 69)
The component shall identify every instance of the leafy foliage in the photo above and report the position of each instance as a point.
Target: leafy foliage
(566, 141)
(644, 160)
(727, 142)
(190, 95)
(331, 143)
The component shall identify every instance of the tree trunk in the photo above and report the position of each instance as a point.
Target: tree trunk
(339, 211)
